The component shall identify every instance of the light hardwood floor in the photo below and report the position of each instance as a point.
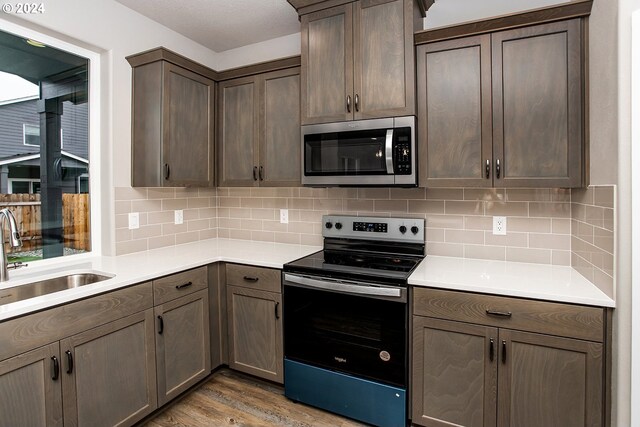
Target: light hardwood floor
(229, 398)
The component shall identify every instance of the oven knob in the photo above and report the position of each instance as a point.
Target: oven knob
(328, 225)
(415, 229)
(338, 226)
(403, 229)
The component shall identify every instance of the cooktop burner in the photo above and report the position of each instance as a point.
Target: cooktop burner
(385, 250)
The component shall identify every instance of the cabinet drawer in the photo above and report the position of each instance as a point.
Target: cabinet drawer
(565, 320)
(266, 279)
(179, 284)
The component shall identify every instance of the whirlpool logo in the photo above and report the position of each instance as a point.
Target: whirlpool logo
(339, 359)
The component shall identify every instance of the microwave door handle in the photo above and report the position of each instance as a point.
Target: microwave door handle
(388, 151)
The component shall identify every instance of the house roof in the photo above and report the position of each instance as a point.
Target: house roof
(23, 158)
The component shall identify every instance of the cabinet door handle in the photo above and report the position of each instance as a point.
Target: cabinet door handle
(251, 279)
(69, 361)
(498, 313)
(185, 285)
(167, 171)
(504, 351)
(55, 368)
(487, 169)
(357, 102)
(255, 173)
(348, 103)
(277, 314)
(161, 325)
(492, 349)
(498, 168)
(261, 173)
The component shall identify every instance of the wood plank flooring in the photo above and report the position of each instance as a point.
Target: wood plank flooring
(230, 398)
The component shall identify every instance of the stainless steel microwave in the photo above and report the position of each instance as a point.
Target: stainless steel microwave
(377, 152)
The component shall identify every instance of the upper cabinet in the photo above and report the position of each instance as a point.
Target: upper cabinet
(172, 121)
(504, 109)
(259, 129)
(358, 61)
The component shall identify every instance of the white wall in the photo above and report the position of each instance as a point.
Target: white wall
(280, 47)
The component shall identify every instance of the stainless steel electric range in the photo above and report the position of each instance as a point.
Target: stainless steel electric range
(346, 318)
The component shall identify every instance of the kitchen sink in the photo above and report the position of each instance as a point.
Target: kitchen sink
(49, 286)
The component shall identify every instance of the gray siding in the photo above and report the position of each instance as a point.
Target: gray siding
(74, 128)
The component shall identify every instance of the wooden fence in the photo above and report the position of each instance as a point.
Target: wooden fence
(75, 219)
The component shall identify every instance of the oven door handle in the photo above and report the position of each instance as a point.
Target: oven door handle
(388, 151)
(361, 289)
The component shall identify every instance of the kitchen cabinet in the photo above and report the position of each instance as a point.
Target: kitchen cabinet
(93, 362)
(503, 109)
(259, 130)
(109, 373)
(358, 61)
(482, 360)
(173, 111)
(183, 351)
(30, 390)
(254, 312)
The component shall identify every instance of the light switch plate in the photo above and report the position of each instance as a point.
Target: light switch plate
(178, 216)
(284, 216)
(134, 220)
(500, 225)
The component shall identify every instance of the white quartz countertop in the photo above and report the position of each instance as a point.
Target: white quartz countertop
(515, 279)
(143, 266)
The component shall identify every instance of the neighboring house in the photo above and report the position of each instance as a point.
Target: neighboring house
(20, 147)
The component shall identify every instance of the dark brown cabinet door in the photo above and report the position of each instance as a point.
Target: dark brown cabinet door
(537, 106)
(255, 332)
(454, 373)
(182, 344)
(109, 373)
(454, 106)
(327, 65)
(280, 140)
(383, 59)
(189, 128)
(173, 127)
(238, 106)
(30, 390)
(549, 381)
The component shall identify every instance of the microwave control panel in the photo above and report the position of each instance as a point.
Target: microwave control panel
(402, 152)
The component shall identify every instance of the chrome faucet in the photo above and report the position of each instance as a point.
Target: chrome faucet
(14, 240)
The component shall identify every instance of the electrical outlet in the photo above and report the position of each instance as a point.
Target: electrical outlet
(178, 217)
(500, 225)
(284, 216)
(134, 220)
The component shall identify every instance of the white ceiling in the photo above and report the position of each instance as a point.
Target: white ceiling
(227, 24)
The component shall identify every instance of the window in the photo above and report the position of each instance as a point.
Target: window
(48, 191)
(31, 135)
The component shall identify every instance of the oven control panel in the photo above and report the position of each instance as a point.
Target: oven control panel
(374, 228)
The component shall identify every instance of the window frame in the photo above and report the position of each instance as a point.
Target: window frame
(99, 198)
(10, 182)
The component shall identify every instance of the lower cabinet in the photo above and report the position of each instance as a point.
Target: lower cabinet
(487, 374)
(182, 344)
(254, 320)
(30, 390)
(109, 373)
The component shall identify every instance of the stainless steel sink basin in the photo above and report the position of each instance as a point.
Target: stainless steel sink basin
(49, 286)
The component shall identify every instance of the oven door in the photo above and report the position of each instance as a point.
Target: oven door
(355, 328)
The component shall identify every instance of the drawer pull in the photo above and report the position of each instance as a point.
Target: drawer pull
(55, 368)
(185, 285)
(69, 361)
(491, 349)
(499, 313)
(251, 278)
